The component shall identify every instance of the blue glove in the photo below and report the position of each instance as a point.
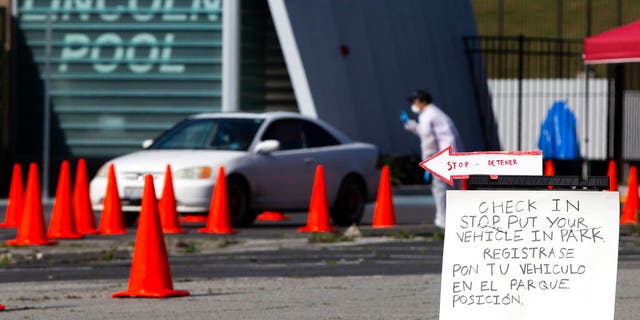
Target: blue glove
(404, 117)
(427, 177)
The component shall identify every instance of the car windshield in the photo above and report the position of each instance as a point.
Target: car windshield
(215, 134)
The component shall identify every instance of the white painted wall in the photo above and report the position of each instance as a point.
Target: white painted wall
(631, 130)
(538, 96)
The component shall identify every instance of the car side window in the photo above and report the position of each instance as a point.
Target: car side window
(288, 132)
(316, 136)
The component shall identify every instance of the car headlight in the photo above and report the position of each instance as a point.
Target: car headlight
(102, 172)
(203, 172)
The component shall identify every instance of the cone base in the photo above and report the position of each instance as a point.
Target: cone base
(8, 225)
(382, 226)
(39, 242)
(628, 222)
(317, 229)
(217, 230)
(272, 216)
(193, 219)
(150, 294)
(89, 231)
(112, 232)
(65, 236)
(173, 230)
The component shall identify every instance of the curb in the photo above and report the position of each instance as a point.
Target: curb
(92, 251)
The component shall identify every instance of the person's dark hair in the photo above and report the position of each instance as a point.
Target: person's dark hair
(421, 95)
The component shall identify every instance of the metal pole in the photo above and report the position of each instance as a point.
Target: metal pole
(520, 79)
(46, 111)
(619, 12)
(501, 17)
(559, 20)
(585, 163)
(588, 18)
(231, 56)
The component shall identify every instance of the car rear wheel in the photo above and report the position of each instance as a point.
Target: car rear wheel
(131, 218)
(349, 206)
(240, 202)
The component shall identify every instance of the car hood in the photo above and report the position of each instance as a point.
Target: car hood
(157, 160)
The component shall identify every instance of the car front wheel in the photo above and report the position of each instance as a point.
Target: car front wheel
(239, 202)
(349, 206)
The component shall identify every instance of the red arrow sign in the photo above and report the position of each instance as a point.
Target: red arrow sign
(447, 166)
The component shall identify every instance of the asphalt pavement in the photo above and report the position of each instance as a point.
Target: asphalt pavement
(269, 271)
(266, 249)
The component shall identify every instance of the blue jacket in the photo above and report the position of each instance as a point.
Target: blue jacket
(558, 138)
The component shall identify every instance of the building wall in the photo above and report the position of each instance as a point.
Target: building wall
(363, 57)
(264, 80)
(119, 72)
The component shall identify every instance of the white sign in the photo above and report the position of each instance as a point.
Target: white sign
(446, 165)
(530, 255)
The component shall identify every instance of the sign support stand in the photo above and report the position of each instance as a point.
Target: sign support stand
(482, 182)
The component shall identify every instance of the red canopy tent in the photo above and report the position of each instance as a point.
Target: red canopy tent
(619, 45)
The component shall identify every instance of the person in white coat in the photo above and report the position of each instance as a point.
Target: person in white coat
(436, 132)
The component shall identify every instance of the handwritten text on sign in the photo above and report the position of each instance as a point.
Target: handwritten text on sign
(447, 165)
(530, 255)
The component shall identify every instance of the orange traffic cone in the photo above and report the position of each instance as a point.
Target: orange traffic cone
(273, 216)
(384, 213)
(464, 184)
(2, 307)
(318, 219)
(112, 219)
(219, 220)
(16, 201)
(549, 170)
(629, 211)
(63, 224)
(150, 275)
(85, 221)
(167, 206)
(193, 219)
(32, 231)
(613, 176)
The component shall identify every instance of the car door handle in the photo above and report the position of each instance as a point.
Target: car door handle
(309, 160)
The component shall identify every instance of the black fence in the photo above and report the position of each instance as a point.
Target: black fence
(512, 65)
(519, 56)
(526, 75)
(542, 39)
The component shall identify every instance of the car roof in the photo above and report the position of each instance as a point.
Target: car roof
(248, 115)
(273, 115)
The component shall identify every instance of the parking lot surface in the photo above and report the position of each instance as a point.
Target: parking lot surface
(269, 271)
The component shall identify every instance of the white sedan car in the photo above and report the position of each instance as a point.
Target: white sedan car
(269, 161)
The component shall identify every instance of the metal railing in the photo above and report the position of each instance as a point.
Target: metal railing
(526, 75)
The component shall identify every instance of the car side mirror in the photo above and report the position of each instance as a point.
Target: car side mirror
(147, 143)
(267, 146)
